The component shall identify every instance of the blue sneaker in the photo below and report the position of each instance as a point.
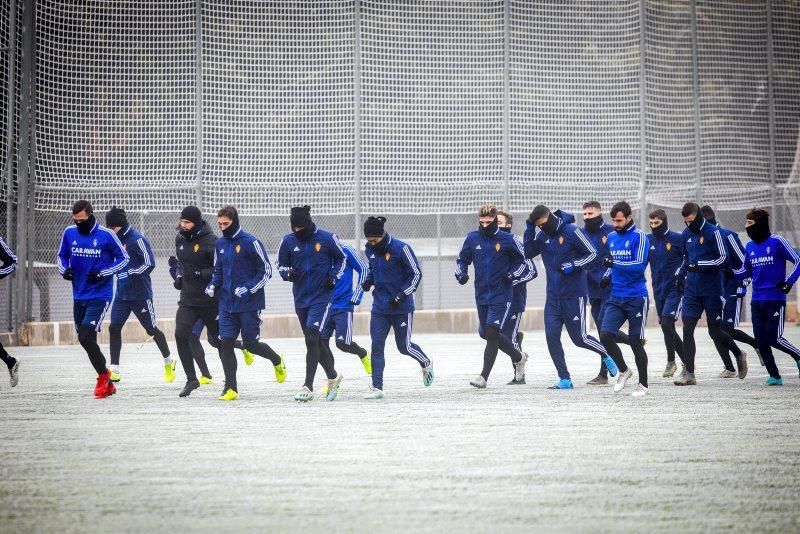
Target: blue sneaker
(563, 383)
(610, 365)
(774, 381)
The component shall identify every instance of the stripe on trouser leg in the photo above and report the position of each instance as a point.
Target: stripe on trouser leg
(324, 317)
(645, 310)
(782, 341)
(420, 357)
(584, 335)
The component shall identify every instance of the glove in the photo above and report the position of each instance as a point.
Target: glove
(785, 288)
(67, 274)
(608, 261)
(397, 299)
(330, 282)
(463, 279)
(531, 219)
(94, 276)
(679, 283)
(178, 283)
(210, 291)
(565, 268)
(727, 271)
(366, 285)
(692, 267)
(240, 291)
(354, 303)
(172, 261)
(290, 275)
(605, 282)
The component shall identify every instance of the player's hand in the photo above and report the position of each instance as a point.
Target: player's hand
(210, 291)
(680, 282)
(605, 282)
(172, 261)
(67, 274)
(330, 282)
(463, 279)
(785, 288)
(367, 284)
(178, 283)
(290, 277)
(94, 276)
(240, 291)
(397, 299)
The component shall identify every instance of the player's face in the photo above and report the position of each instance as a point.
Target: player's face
(749, 222)
(502, 222)
(372, 240)
(689, 218)
(590, 213)
(541, 220)
(186, 225)
(80, 217)
(224, 222)
(486, 221)
(620, 221)
(655, 223)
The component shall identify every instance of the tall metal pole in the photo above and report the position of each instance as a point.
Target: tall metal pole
(357, 126)
(773, 179)
(696, 99)
(506, 107)
(439, 260)
(198, 102)
(9, 170)
(642, 117)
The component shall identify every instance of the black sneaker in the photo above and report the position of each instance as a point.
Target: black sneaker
(599, 380)
(515, 382)
(190, 386)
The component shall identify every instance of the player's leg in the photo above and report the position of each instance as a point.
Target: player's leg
(230, 325)
(12, 364)
(637, 320)
(199, 353)
(691, 311)
(780, 342)
(403, 326)
(553, 323)
(765, 330)
(379, 326)
(723, 342)
(185, 320)
(120, 311)
(94, 313)
(614, 317)
(145, 313)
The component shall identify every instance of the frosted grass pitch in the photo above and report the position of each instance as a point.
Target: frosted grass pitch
(720, 455)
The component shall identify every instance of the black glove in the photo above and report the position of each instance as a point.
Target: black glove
(785, 288)
(330, 282)
(94, 276)
(67, 274)
(692, 267)
(531, 219)
(178, 283)
(608, 261)
(727, 271)
(397, 299)
(290, 275)
(605, 282)
(366, 285)
(679, 283)
(172, 261)
(463, 279)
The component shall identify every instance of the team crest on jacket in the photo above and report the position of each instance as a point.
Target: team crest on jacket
(387, 256)
(317, 247)
(561, 240)
(196, 247)
(238, 248)
(702, 240)
(604, 239)
(669, 246)
(497, 247)
(94, 243)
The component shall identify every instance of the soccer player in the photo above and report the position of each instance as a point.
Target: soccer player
(505, 222)
(8, 263)
(395, 273)
(89, 257)
(734, 293)
(134, 293)
(665, 259)
(597, 230)
(700, 279)
(312, 259)
(566, 252)
(241, 270)
(498, 260)
(627, 261)
(194, 250)
(765, 262)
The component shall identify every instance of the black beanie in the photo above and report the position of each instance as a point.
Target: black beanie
(373, 226)
(300, 216)
(116, 217)
(192, 214)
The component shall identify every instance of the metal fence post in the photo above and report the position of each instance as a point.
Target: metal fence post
(506, 107)
(696, 100)
(771, 92)
(642, 118)
(10, 155)
(198, 103)
(357, 126)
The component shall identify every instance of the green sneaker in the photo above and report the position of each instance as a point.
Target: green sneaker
(169, 371)
(248, 357)
(367, 363)
(280, 371)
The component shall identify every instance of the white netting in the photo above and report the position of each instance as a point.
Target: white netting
(115, 103)
(278, 119)
(432, 105)
(575, 103)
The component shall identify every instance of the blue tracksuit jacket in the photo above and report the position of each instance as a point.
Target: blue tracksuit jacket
(734, 249)
(312, 262)
(629, 249)
(394, 270)
(133, 283)
(665, 258)
(240, 261)
(596, 270)
(765, 264)
(497, 260)
(99, 250)
(7, 259)
(345, 295)
(570, 248)
(706, 249)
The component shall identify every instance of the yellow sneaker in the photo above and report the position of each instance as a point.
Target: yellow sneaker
(169, 371)
(248, 357)
(115, 377)
(324, 390)
(205, 380)
(229, 395)
(280, 371)
(366, 361)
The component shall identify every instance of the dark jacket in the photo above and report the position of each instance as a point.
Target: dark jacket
(196, 257)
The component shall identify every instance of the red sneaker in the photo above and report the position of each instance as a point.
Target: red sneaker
(104, 387)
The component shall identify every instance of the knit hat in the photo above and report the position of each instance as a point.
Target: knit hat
(116, 217)
(192, 214)
(373, 226)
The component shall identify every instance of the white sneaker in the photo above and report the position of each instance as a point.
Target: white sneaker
(374, 393)
(727, 374)
(640, 391)
(478, 382)
(304, 395)
(622, 380)
(427, 375)
(519, 368)
(14, 374)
